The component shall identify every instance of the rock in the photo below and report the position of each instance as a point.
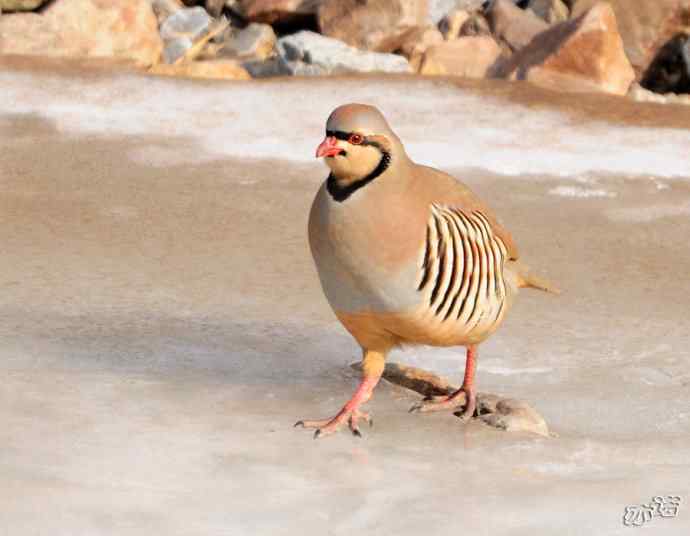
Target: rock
(417, 41)
(641, 94)
(377, 25)
(512, 25)
(510, 415)
(276, 11)
(191, 23)
(552, 11)
(219, 69)
(439, 9)
(164, 8)
(451, 24)
(308, 53)
(20, 5)
(470, 57)
(255, 42)
(125, 29)
(644, 25)
(267, 68)
(669, 72)
(507, 414)
(214, 7)
(475, 25)
(582, 54)
(181, 30)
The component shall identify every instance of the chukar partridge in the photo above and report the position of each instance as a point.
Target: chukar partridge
(406, 255)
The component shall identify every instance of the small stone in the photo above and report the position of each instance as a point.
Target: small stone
(512, 25)
(510, 415)
(308, 53)
(219, 70)
(552, 11)
(192, 23)
(255, 42)
(469, 57)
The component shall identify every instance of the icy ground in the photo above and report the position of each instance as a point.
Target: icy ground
(162, 328)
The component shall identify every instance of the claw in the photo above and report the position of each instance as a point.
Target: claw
(298, 424)
(317, 433)
(356, 432)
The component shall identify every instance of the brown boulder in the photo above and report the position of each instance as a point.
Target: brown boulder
(417, 41)
(79, 28)
(20, 5)
(582, 54)
(469, 57)
(378, 25)
(513, 26)
(219, 70)
(276, 11)
(644, 25)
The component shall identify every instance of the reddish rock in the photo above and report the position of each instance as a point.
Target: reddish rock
(469, 57)
(644, 25)
(513, 26)
(276, 11)
(582, 54)
(80, 28)
(378, 25)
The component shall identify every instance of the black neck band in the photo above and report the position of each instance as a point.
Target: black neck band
(341, 193)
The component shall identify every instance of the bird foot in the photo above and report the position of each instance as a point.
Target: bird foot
(463, 397)
(326, 427)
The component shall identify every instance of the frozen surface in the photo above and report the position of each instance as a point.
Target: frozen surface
(162, 328)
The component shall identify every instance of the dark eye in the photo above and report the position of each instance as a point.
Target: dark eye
(355, 139)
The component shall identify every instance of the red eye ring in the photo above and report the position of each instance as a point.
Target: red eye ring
(355, 139)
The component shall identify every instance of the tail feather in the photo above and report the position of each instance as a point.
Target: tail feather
(526, 279)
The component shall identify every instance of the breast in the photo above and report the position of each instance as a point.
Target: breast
(365, 261)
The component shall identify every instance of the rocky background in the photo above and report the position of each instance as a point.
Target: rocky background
(624, 47)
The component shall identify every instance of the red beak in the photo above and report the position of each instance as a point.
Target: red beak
(328, 147)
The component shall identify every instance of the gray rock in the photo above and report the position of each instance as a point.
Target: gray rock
(174, 49)
(307, 53)
(192, 23)
(255, 42)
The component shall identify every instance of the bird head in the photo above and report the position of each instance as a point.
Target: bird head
(359, 146)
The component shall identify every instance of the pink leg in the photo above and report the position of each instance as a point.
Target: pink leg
(465, 396)
(371, 374)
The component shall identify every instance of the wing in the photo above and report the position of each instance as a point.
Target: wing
(438, 187)
(461, 273)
